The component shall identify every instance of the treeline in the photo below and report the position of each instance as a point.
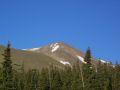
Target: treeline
(78, 77)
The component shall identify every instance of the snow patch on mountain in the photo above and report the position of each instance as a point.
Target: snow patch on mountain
(113, 66)
(81, 59)
(24, 49)
(65, 63)
(103, 61)
(54, 47)
(33, 49)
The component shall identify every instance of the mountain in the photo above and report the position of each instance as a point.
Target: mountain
(63, 53)
(59, 54)
(30, 60)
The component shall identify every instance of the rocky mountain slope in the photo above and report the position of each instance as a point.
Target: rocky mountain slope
(63, 53)
(30, 60)
(59, 54)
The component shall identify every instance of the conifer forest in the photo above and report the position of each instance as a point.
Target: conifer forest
(79, 76)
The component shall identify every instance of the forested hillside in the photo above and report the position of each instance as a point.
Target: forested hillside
(76, 77)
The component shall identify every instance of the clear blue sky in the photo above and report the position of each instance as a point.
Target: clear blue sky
(80, 23)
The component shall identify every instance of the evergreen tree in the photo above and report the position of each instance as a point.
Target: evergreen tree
(67, 78)
(7, 71)
(88, 57)
(1, 79)
(21, 76)
(34, 80)
(116, 78)
(88, 71)
(109, 84)
(55, 78)
(77, 78)
(99, 76)
(44, 79)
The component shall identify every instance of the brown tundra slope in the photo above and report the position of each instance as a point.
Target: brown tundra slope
(58, 54)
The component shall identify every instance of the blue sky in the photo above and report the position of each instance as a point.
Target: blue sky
(80, 23)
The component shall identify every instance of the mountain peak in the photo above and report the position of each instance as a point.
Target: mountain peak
(54, 47)
(59, 43)
(62, 52)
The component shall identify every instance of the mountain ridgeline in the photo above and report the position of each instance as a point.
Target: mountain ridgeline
(58, 54)
(63, 53)
(56, 66)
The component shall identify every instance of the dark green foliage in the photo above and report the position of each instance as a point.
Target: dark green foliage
(44, 79)
(1, 79)
(116, 77)
(76, 77)
(53, 78)
(66, 76)
(88, 71)
(87, 57)
(77, 83)
(7, 72)
(32, 80)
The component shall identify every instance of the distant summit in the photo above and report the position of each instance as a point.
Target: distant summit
(63, 53)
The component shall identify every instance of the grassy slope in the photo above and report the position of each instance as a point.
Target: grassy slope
(31, 60)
